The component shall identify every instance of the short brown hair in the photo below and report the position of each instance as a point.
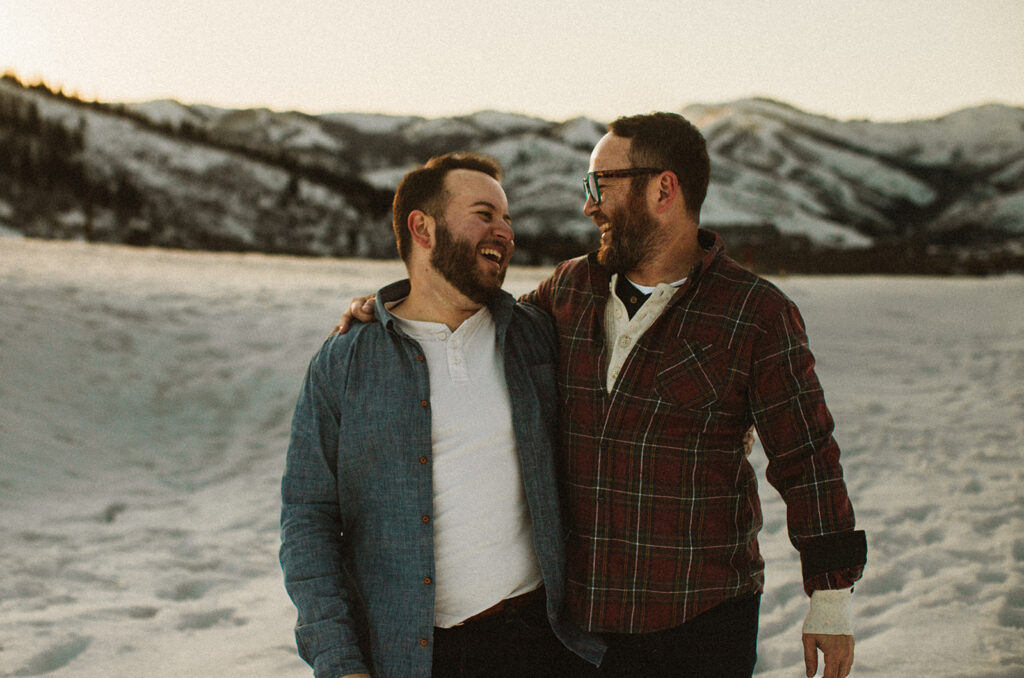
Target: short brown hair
(668, 141)
(423, 189)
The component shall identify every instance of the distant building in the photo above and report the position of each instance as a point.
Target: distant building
(743, 241)
(738, 235)
(760, 246)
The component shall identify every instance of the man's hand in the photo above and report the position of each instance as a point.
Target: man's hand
(838, 651)
(361, 309)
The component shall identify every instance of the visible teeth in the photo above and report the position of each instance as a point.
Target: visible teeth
(492, 254)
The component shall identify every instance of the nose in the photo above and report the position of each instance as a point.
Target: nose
(589, 206)
(504, 232)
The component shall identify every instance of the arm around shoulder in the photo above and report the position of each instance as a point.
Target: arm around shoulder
(545, 294)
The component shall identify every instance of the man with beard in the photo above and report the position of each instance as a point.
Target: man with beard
(669, 352)
(420, 521)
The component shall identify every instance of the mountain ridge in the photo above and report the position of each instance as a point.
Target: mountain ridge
(787, 185)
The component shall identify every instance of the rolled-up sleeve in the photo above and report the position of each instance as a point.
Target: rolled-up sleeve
(795, 428)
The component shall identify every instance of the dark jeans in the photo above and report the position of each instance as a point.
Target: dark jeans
(720, 643)
(511, 644)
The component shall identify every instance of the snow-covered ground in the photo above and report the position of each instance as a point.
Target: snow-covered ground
(145, 399)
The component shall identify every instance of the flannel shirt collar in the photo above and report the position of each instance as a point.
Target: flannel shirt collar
(501, 306)
(710, 242)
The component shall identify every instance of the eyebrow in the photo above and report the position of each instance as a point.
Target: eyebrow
(484, 203)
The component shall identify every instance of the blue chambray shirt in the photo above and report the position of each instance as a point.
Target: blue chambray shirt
(357, 545)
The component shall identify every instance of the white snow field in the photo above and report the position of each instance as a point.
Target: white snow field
(145, 401)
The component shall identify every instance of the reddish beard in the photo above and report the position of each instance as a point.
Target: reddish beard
(631, 236)
(456, 261)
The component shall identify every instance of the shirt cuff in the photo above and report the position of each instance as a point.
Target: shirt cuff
(829, 613)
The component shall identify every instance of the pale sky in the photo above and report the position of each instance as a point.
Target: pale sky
(877, 59)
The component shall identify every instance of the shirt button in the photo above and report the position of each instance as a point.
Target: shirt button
(423, 403)
(423, 460)
(425, 519)
(423, 642)
(427, 580)
(420, 358)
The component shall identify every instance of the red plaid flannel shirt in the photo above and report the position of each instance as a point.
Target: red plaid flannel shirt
(661, 500)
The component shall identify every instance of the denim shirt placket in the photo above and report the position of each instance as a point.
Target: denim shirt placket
(422, 460)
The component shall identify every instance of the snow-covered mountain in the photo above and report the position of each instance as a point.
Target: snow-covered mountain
(201, 177)
(959, 177)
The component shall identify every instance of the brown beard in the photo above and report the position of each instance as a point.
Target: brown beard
(456, 261)
(631, 237)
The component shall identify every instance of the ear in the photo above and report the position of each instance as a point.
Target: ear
(668, 192)
(421, 228)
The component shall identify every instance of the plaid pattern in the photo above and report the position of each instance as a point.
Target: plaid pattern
(661, 501)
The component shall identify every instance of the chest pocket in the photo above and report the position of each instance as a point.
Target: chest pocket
(691, 376)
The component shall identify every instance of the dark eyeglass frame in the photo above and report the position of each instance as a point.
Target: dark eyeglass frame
(592, 191)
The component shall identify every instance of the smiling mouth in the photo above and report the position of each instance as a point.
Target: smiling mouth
(492, 254)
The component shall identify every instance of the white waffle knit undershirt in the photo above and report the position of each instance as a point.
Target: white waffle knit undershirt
(623, 332)
(483, 535)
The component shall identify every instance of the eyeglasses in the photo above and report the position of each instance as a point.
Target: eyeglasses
(592, 191)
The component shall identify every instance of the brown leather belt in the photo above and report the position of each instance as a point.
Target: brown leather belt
(509, 605)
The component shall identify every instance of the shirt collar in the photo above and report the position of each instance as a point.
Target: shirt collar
(709, 241)
(500, 305)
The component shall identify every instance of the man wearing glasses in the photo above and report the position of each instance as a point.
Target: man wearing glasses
(669, 352)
